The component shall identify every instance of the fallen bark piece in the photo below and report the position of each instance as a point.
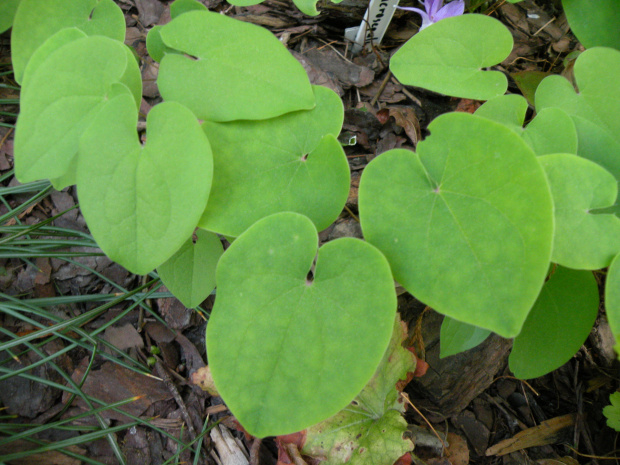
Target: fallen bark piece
(548, 432)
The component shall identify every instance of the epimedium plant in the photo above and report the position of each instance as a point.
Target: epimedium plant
(496, 225)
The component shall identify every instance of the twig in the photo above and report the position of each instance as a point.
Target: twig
(406, 397)
(329, 44)
(517, 379)
(407, 93)
(591, 456)
(161, 371)
(373, 102)
(6, 136)
(544, 26)
(351, 213)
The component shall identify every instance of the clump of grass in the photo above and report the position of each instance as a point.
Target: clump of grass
(26, 243)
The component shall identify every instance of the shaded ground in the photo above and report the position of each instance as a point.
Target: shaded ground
(471, 395)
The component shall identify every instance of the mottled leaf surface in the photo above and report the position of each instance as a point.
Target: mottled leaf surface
(551, 131)
(370, 430)
(595, 109)
(290, 163)
(64, 94)
(225, 69)
(594, 24)
(37, 20)
(142, 203)
(450, 57)
(285, 351)
(583, 238)
(466, 223)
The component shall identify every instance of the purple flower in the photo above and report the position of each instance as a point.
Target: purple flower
(435, 11)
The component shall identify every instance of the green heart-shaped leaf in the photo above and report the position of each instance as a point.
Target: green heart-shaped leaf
(226, 69)
(190, 272)
(612, 299)
(449, 57)
(466, 223)
(582, 239)
(507, 109)
(7, 13)
(65, 92)
(53, 43)
(594, 24)
(154, 43)
(456, 337)
(178, 7)
(36, 21)
(141, 204)
(369, 430)
(595, 110)
(305, 6)
(558, 324)
(551, 131)
(290, 163)
(285, 352)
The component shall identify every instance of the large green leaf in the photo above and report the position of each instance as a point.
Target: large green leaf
(449, 57)
(142, 203)
(53, 43)
(507, 109)
(594, 23)
(595, 109)
(456, 337)
(306, 6)
(290, 163)
(7, 13)
(64, 93)
(37, 20)
(190, 273)
(583, 239)
(369, 430)
(154, 43)
(466, 223)
(178, 7)
(558, 324)
(612, 299)
(285, 351)
(226, 69)
(551, 131)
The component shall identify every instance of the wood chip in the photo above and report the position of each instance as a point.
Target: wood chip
(229, 451)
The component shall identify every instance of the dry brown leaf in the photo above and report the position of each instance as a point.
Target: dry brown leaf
(203, 379)
(407, 119)
(545, 433)
(458, 452)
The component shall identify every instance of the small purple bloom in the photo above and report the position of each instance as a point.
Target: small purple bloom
(435, 11)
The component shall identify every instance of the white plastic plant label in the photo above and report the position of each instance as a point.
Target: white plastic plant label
(373, 27)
